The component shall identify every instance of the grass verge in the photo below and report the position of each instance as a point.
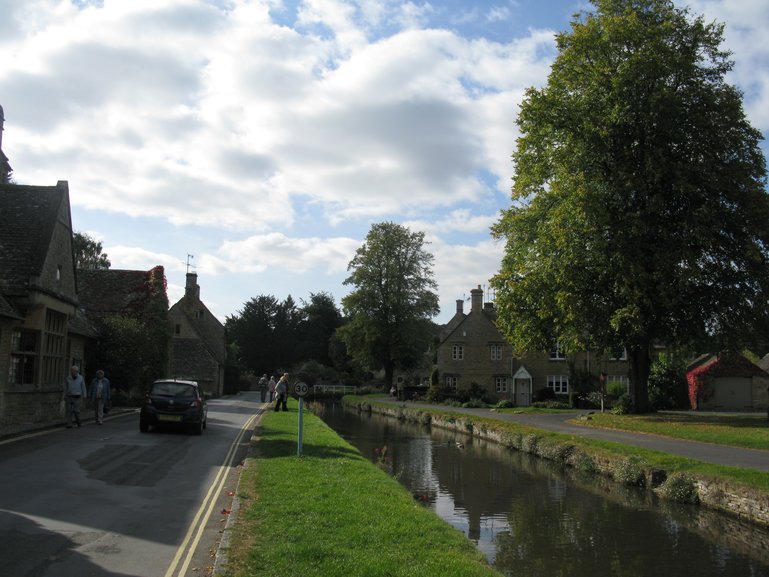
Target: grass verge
(332, 513)
(748, 431)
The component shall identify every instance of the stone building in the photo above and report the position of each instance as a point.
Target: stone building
(41, 331)
(5, 167)
(198, 341)
(472, 351)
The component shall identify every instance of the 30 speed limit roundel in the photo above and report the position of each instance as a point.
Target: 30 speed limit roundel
(301, 389)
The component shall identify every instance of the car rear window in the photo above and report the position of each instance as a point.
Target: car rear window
(174, 390)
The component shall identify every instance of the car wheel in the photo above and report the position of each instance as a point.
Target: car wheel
(143, 427)
(198, 430)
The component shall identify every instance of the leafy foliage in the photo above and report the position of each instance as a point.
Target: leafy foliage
(135, 346)
(88, 253)
(270, 336)
(389, 309)
(639, 211)
(667, 382)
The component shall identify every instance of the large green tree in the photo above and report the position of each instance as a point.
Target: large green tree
(390, 308)
(640, 213)
(88, 252)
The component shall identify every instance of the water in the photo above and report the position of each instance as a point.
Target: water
(533, 518)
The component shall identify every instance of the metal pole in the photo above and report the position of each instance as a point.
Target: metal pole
(299, 443)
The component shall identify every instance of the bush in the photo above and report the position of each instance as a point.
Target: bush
(668, 388)
(552, 405)
(630, 472)
(474, 404)
(506, 404)
(623, 405)
(616, 389)
(681, 489)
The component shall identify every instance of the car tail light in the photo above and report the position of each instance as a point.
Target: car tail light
(195, 404)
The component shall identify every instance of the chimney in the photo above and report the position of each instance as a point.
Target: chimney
(192, 290)
(476, 295)
(460, 306)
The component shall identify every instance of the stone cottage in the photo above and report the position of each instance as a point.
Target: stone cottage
(472, 351)
(198, 341)
(41, 332)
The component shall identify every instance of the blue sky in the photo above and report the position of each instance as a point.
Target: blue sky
(265, 137)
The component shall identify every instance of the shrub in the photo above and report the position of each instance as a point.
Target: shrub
(551, 405)
(616, 388)
(668, 388)
(474, 404)
(623, 405)
(681, 489)
(506, 404)
(630, 472)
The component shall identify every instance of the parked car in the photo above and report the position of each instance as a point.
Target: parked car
(175, 403)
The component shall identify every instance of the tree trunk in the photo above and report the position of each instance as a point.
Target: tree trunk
(640, 365)
(388, 377)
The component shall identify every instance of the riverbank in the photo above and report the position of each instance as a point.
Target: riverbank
(331, 512)
(740, 492)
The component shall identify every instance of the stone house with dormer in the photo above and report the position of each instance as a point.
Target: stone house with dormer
(472, 351)
(42, 333)
(198, 341)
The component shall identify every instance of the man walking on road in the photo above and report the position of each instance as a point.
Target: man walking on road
(99, 395)
(74, 391)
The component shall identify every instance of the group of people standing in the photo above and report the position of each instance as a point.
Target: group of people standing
(278, 391)
(75, 391)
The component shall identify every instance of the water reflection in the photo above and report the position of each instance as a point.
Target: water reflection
(532, 518)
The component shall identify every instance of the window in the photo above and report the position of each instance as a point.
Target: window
(178, 329)
(500, 384)
(54, 344)
(496, 352)
(619, 379)
(557, 352)
(559, 384)
(457, 352)
(618, 354)
(23, 353)
(451, 382)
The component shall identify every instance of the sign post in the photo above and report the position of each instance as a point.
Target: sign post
(301, 390)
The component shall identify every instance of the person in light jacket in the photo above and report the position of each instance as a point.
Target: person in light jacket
(74, 392)
(99, 395)
(281, 393)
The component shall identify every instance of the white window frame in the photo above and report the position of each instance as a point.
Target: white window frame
(496, 352)
(451, 381)
(624, 379)
(457, 352)
(500, 384)
(557, 352)
(622, 357)
(559, 384)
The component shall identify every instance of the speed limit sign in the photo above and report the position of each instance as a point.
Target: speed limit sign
(301, 389)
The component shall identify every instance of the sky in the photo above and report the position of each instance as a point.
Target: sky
(259, 140)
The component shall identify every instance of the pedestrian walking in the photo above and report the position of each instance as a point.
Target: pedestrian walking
(99, 396)
(263, 387)
(271, 385)
(74, 391)
(281, 392)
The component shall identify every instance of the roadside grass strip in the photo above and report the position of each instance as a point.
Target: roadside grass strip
(747, 431)
(331, 512)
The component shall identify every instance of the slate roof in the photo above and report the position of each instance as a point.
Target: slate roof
(111, 291)
(207, 326)
(29, 216)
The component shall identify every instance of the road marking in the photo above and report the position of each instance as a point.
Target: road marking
(198, 525)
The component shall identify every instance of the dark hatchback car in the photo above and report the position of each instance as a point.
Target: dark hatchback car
(175, 403)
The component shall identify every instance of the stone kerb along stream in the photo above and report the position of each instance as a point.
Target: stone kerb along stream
(536, 517)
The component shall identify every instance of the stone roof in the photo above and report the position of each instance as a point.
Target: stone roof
(29, 217)
(208, 328)
(7, 310)
(112, 291)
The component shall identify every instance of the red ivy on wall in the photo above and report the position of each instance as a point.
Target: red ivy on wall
(696, 379)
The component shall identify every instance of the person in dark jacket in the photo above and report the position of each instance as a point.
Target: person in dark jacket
(99, 395)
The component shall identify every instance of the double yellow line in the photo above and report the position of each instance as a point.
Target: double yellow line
(189, 545)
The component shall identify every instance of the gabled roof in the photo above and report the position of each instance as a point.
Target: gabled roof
(29, 216)
(7, 310)
(109, 291)
(209, 329)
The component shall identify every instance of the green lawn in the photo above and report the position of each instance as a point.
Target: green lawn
(333, 513)
(739, 430)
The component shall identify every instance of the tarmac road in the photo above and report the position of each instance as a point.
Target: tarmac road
(114, 502)
(705, 452)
